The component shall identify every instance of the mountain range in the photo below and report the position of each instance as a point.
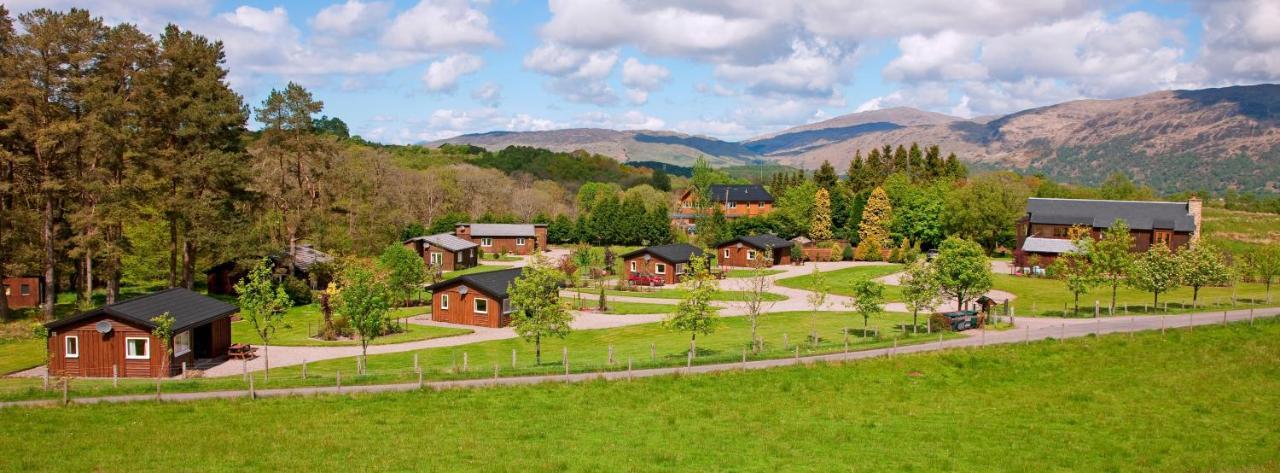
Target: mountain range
(1174, 140)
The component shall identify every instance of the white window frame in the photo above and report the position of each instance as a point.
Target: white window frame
(458, 256)
(519, 241)
(182, 349)
(660, 268)
(436, 258)
(66, 347)
(506, 306)
(726, 253)
(751, 255)
(633, 266)
(731, 205)
(444, 302)
(760, 205)
(146, 348)
(475, 305)
(486, 242)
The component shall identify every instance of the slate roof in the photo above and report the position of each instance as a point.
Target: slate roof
(493, 283)
(307, 255)
(188, 309)
(503, 229)
(761, 242)
(1048, 245)
(446, 241)
(751, 193)
(674, 253)
(1103, 213)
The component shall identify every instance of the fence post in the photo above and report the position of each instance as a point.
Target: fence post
(785, 343)
(1191, 322)
(939, 336)
(115, 370)
(420, 384)
(1064, 332)
(1224, 317)
(415, 362)
(744, 358)
(66, 400)
(304, 368)
(628, 368)
(1097, 327)
(565, 358)
(253, 394)
(184, 364)
(1251, 316)
(466, 361)
(1033, 308)
(495, 371)
(846, 339)
(513, 358)
(1026, 338)
(653, 352)
(895, 347)
(244, 368)
(1161, 325)
(339, 380)
(797, 352)
(610, 355)
(1096, 308)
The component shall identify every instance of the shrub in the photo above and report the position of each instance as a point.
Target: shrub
(837, 252)
(895, 255)
(939, 323)
(869, 251)
(298, 291)
(797, 254)
(847, 255)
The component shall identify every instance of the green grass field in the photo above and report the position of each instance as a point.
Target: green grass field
(1049, 295)
(1241, 231)
(588, 351)
(841, 280)
(623, 308)
(293, 330)
(484, 268)
(746, 273)
(20, 353)
(1185, 401)
(677, 293)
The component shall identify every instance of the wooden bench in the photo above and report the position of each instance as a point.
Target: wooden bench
(240, 351)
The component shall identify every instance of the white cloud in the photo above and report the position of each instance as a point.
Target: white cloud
(629, 120)
(1241, 40)
(813, 69)
(350, 19)
(440, 25)
(488, 93)
(641, 79)
(577, 75)
(442, 75)
(944, 56)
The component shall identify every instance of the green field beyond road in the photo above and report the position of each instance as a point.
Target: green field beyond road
(1184, 401)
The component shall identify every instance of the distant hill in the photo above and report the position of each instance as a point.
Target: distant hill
(659, 146)
(797, 140)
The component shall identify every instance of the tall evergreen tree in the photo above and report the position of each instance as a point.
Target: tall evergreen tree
(915, 159)
(856, 176)
(956, 169)
(901, 160)
(825, 176)
(933, 164)
(877, 170)
(820, 227)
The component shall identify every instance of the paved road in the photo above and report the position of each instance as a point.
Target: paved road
(1028, 329)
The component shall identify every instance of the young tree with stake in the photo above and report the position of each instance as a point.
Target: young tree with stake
(1076, 270)
(818, 292)
(538, 311)
(1264, 262)
(753, 299)
(920, 289)
(263, 304)
(1111, 257)
(868, 296)
(364, 299)
(1156, 271)
(1203, 265)
(694, 313)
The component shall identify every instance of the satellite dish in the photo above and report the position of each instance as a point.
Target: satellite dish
(647, 257)
(462, 290)
(739, 246)
(102, 326)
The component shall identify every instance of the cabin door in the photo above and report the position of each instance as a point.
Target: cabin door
(202, 341)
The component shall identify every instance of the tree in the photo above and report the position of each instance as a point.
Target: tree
(363, 300)
(1156, 271)
(818, 291)
(1203, 265)
(820, 228)
(537, 309)
(757, 284)
(987, 208)
(825, 177)
(868, 296)
(694, 313)
(873, 230)
(964, 273)
(1075, 270)
(405, 272)
(163, 331)
(263, 304)
(660, 180)
(1112, 257)
(1264, 262)
(920, 289)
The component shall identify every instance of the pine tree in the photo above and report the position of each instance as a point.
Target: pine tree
(915, 159)
(856, 176)
(873, 230)
(820, 227)
(956, 169)
(933, 166)
(876, 169)
(901, 161)
(825, 176)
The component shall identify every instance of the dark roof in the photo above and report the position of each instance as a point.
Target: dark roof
(446, 241)
(673, 253)
(761, 242)
(751, 193)
(493, 283)
(307, 256)
(503, 229)
(188, 309)
(1103, 213)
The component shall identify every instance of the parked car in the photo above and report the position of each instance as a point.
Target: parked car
(962, 319)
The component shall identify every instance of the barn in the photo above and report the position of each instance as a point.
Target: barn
(665, 264)
(23, 291)
(744, 252)
(474, 299)
(116, 339)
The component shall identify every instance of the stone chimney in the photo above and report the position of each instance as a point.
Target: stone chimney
(1195, 207)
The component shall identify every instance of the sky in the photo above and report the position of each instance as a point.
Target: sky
(415, 71)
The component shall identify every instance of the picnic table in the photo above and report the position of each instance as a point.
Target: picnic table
(240, 350)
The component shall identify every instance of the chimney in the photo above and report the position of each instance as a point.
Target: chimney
(1195, 207)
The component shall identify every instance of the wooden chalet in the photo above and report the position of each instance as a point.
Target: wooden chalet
(474, 299)
(659, 265)
(734, 201)
(23, 292)
(116, 339)
(744, 252)
(514, 238)
(222, 278)
(444, 251)
(1046, 229)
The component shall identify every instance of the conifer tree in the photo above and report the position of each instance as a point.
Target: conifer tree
(955, 169)
(820, 227)
(825, 176)
(901, 161)
(856, 176)
(874, 227)
(933, 165)
(915, 159)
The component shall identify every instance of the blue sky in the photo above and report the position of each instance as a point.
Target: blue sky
(411, 71)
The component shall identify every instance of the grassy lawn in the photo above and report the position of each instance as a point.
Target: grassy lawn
(841, 280)
(1240, 231)
(625, 308)
(293, 331)
(1186, 401)
(677, 293)
(588, 350)
(1049, 295)
(495, 257)
(746, 273)
(20, 354)
(484, 268)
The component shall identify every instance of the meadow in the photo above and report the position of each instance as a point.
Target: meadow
(1182, 401)
(841, 281)
(300, 324)
(1050, 297)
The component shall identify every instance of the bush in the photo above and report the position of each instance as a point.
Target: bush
(847, 254)
(869, 251)
(837, 252)
(797, 254)
(939, 323)
(298, 291)
(895, 256)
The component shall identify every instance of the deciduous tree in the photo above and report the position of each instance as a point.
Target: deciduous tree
(262, 304)
(1112, 257)
(694, 313)
(537, 311)
(868, 297)
(920, 290)
(363, 299)
(1264, 262)
(1157, 271)
(1075, 269)
(963, 270)
(1203, 265)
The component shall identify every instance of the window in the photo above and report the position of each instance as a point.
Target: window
(444, 302)
(481, 305)
(1162, 237)
(137, 348)
(25, 290)
(72, 346)
(182, 343)
(633, 266)
(751, 255)
(486, 242)
(458, 256)
(519, 241)
(660, 268)
(436, 258)
(506, 306)
(732, 205)
(6, 289)
(726, 253)
(760, 205)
